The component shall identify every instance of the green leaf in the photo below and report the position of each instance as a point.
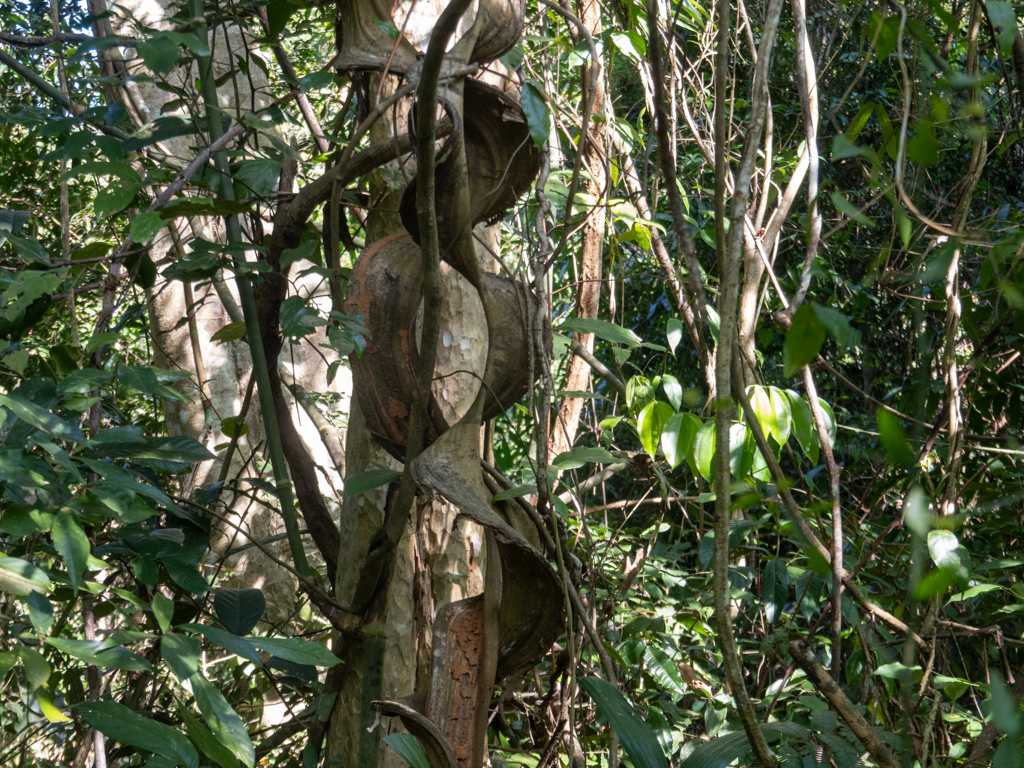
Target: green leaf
(145, 226)
(408, 748)
(163, 610)
(723, 751)
(41, 418)
(1004, 21)
(934, 583)
(239, 609)
(839, 199)
(673, 390)
(229, 332)
(316, 81)
(944, 549)
(119, 723)
(650, 423)
(761, 404)
(1008, 753)
(278, 14)
(515, 493)
(581, 455)
(803, 426)
(894, 439)
(239, 646)
(19, 577)
(923, 147)
(614, 334)
(158, 53)
(113, 199)
(367, 481)
(100, 653)
(296, 650)
(774, 588)
(37, 669)
(677, 439)
(783, 413)
(704, 450)
(208, 744)
(803, 340)
(538, 118)
(225, 723)
(896, 671)
(674, 333)
(1005, 710)
(72, 545)
(257, 177)
(182, 654)
(40, 612)
(303, 251)
(835, 322)
(636, 735)
(663, 670)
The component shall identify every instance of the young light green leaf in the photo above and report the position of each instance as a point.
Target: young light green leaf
(650, 423)
(19, 577)
(783, 414)
(704, 450)
(673, 390)
(674, 334)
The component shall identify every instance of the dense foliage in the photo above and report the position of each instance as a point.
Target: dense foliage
(877, 340)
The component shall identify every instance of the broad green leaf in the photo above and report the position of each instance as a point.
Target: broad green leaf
(229, 332)
(635, 734)
(761, 403)
(896, 671)
(240, 610)
(163, 610)
(804, 338)
(145, 226)
(72, 544)
(256, 178)
(121, 724)
(803, 426)
(296, 650)
(674, 333)
(783, 412)
(1008, 753)
(894, 439)
(614, 334)
(581, 455)
(704, 450)
(208, 744)
(650, 423)
(677, 439)
(367, 481)
(515, 493)
(835, 322)
(639, 392)
(40, 612)
(114, 199)
(664, 670)
(1005, 710)
(37, 669)
(673, 390)
(182, 654)
(101, 653)
(225, 723)
(1004, 21)
(838, 198)
(41, 418)
(774, 588)
(49, 709)
(19, 577)
(934, 583)
(741, 453)
(239, 646)
(538, 118)
(943, 547)
(302, 251)
(408, 748)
